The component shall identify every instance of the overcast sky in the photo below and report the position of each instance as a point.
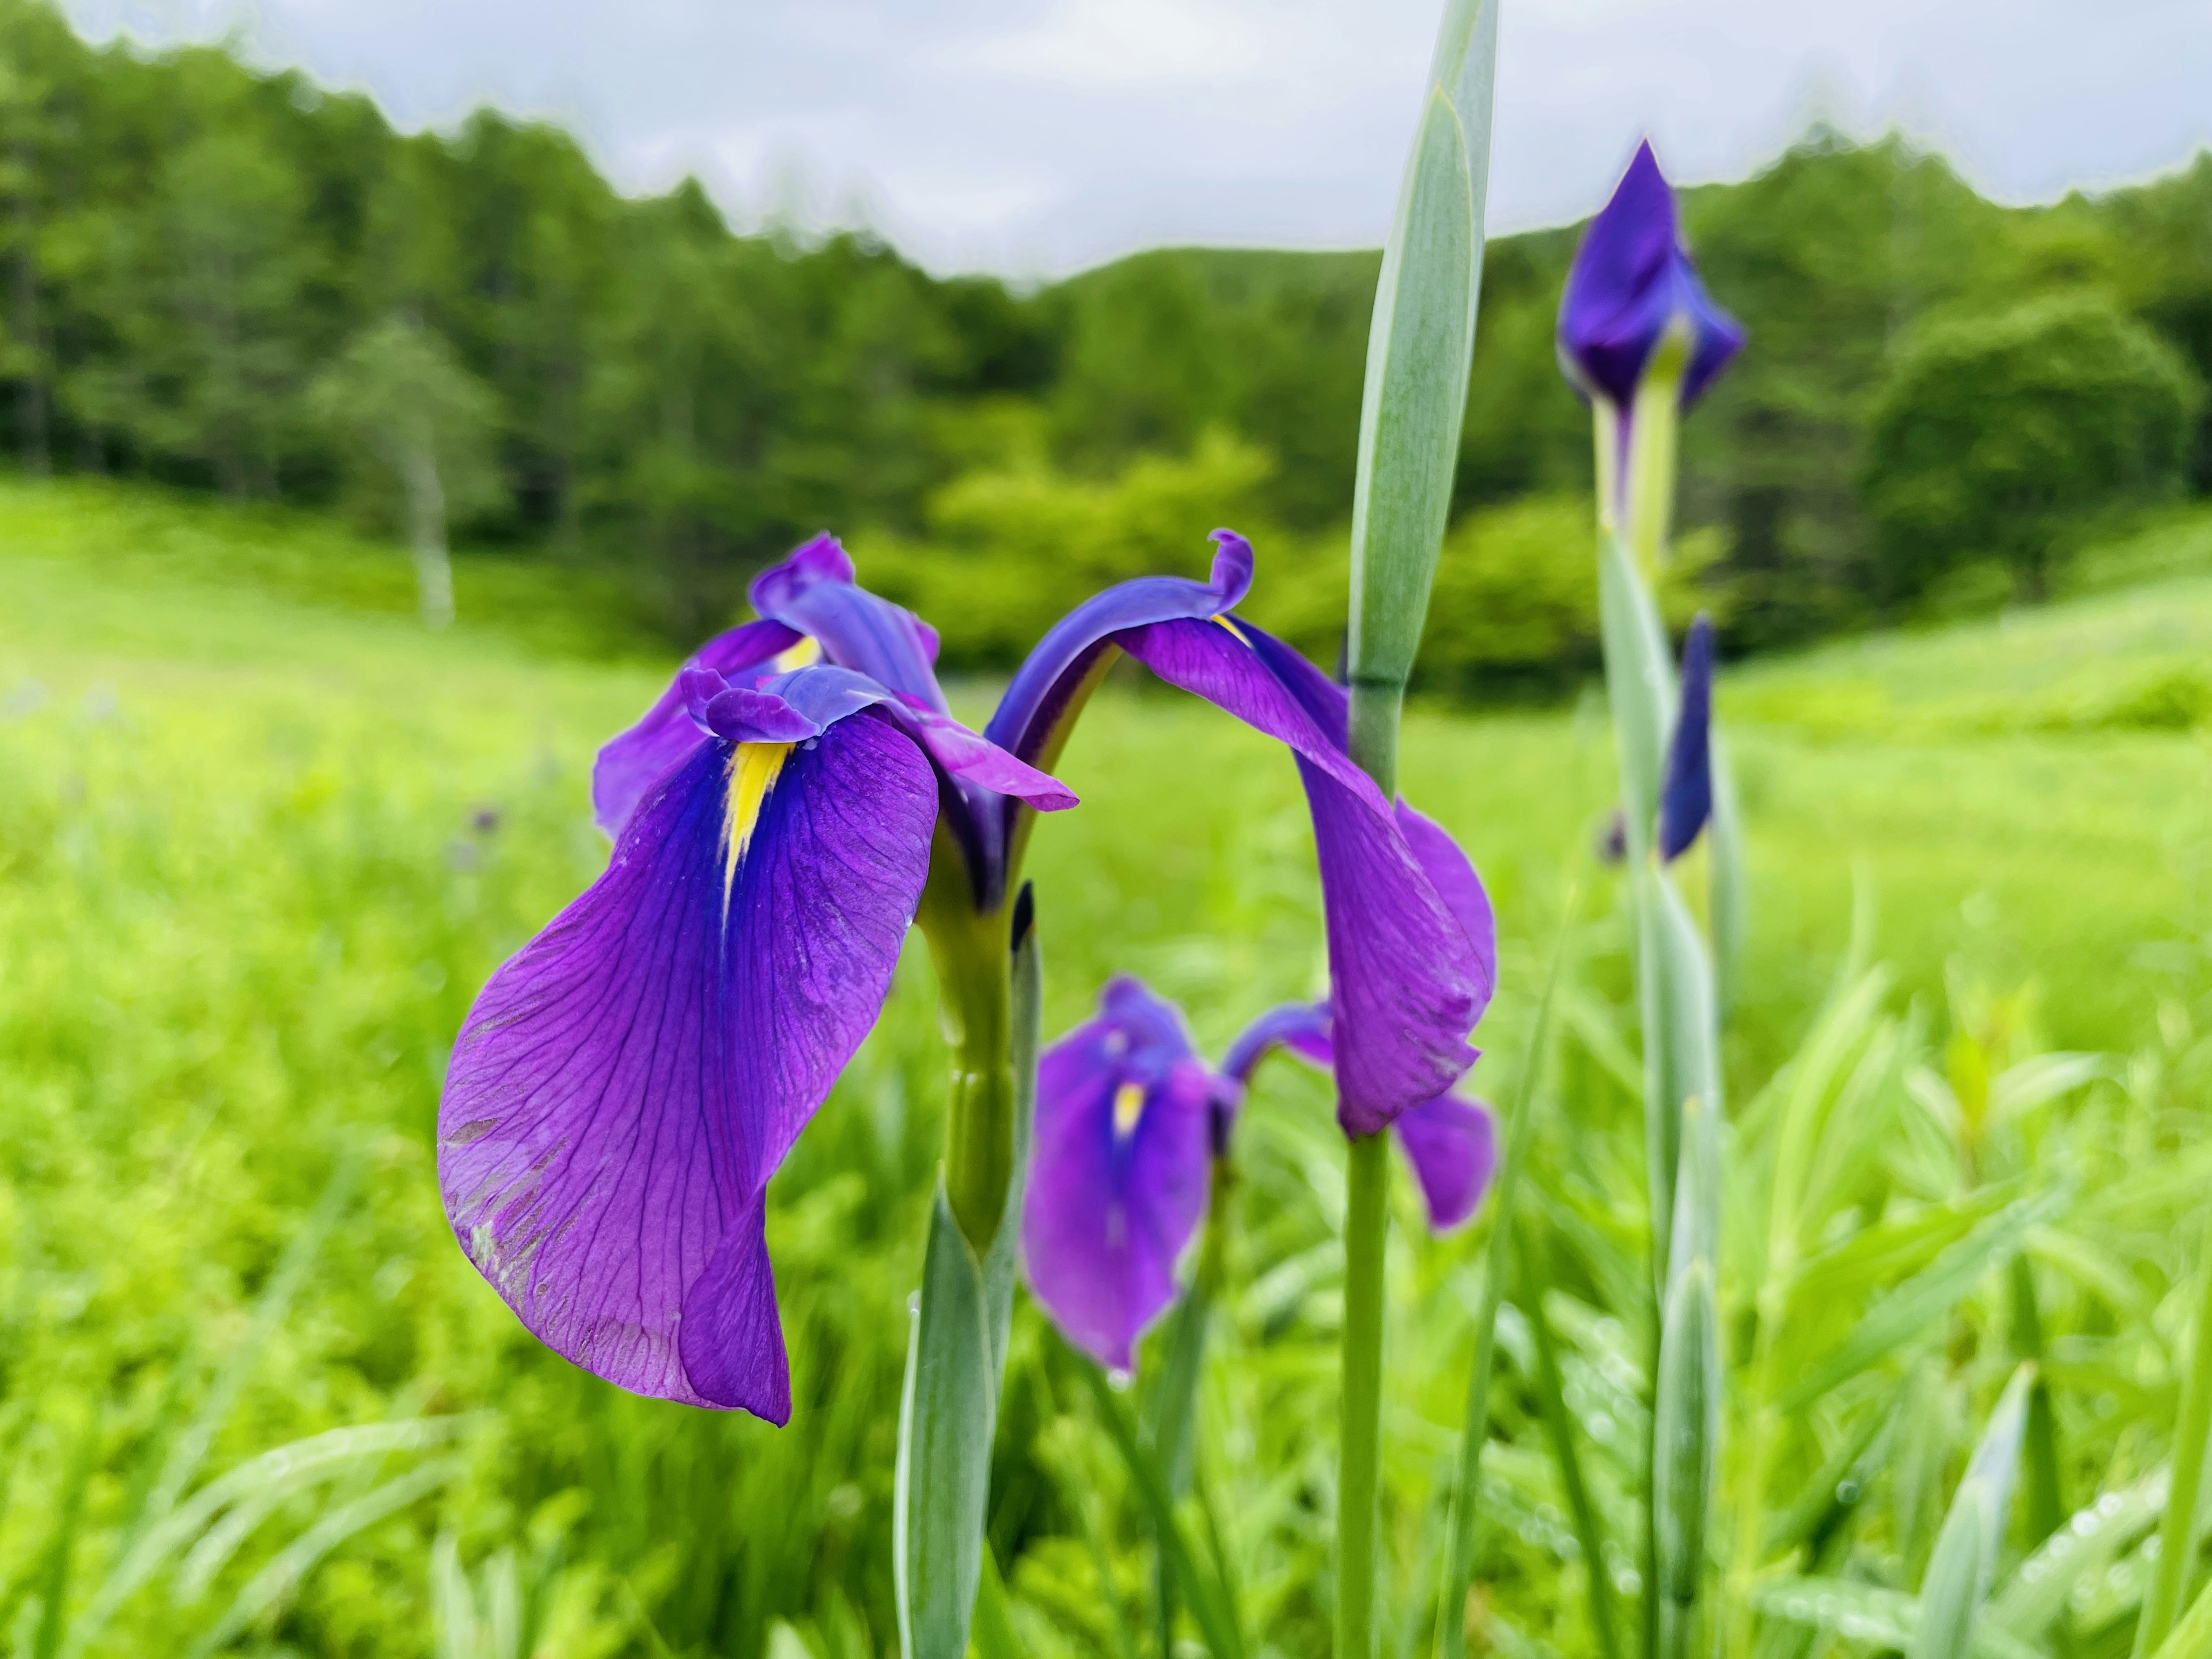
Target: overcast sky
(1038, 137)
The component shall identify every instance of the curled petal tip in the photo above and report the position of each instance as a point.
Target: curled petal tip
(821, 559)
(742, 714)
(1232, 576)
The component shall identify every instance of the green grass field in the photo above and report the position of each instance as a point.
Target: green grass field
(261, 838)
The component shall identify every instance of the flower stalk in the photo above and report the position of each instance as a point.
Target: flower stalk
(1639, 338)
(975, 1006)
(1419, 351)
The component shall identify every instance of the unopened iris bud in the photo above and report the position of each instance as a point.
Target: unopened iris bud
(1686, 794)
(1640, 339)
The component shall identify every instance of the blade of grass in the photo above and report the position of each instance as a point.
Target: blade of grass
(1965, 1556)
(134, 1563)
(1559, 1427)
(995, 1627)
(2192, 1637)
(283, 1575)
(2177, 1532)
(1459, 1559)
(1910, 1309)
(1205, 1596)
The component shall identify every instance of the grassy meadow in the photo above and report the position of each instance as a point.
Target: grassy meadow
(261, 838)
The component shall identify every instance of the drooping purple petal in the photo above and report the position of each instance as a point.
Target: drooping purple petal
(1630, 282)
(626, 1083)
(1050, 687)
(1685, 793)
(1450, 1142)
(633, 761)
(813, 592)
(1120, 1164)
(1406, 980)
(1452, 874)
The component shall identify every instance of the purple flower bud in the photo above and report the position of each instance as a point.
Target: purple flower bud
(1685, 794)
(1631, 281)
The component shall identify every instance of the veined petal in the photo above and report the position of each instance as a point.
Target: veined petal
(1407, 978)
(633, 761)
(1118, 1172)
(626, 1083)
(813, 592)
(976, 760)
(1452, 874)
(1450, 1142)
(1406, 984)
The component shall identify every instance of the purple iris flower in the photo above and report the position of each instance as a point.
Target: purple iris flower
(627, 1084)
(1129, 1124)
(1685, 793)
(1411, 939)
(1631, 281)
(1127, 1121)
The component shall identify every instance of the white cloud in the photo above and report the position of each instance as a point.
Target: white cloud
(1125, 44)
(1038, 136)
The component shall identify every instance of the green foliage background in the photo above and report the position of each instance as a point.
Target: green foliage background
(261, 838)
(188, 247)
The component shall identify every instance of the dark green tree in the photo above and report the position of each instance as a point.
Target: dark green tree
(1998, 436)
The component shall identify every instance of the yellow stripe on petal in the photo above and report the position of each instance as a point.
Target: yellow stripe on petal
(753, 770)
(1235, 632)
(805, 654)
(1128, 1107)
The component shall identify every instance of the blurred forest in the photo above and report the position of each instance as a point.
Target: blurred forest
(223, 279)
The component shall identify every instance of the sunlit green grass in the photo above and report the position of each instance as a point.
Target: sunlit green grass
(261, 838)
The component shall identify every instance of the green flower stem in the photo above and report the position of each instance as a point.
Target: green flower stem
(2177, 1532)
(1366, 1232)
(975, 1004)
(1459, 1558)
(1174, 1402)
(979, 1154)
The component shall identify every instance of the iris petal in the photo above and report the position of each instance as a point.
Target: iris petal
(1407, 980)
(812, 591)
(1685, 794)
(1452, 874)
(632, 762)
(1050, 687)
(1119, 1169)
(1451, 1143)
(1300, 1027)
(625, 1085)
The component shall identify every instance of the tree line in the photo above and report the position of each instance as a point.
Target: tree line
(222, 279)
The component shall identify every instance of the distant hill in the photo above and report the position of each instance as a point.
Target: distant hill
(188, 246)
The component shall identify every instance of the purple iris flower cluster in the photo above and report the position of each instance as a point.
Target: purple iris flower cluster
(1130, 1124)
(627, 1084)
